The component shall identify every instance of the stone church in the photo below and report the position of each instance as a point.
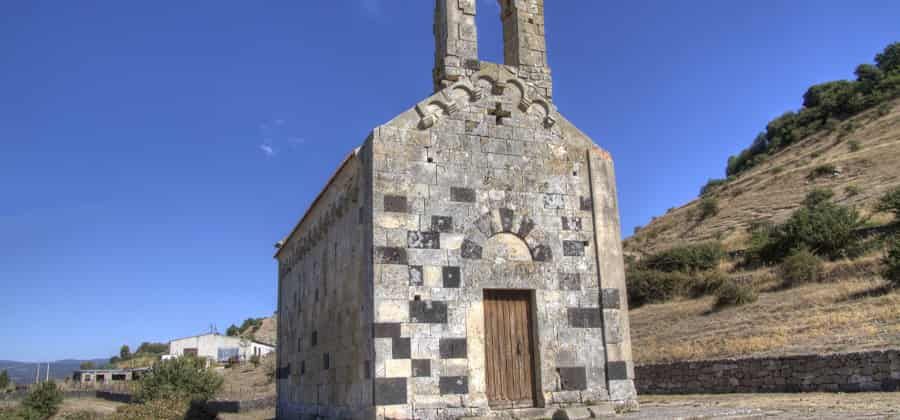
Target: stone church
(466, 258)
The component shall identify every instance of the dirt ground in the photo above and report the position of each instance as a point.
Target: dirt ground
(875, 405)
(827, 406)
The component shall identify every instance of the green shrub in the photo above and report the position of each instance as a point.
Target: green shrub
(818, 196)
(689, 258)
(44, 400)
(707, 283)
(852, 190)
(821, 171)
(733, 294)
(711, 185)
(890, 202)
(709, 207)
(800, 267)
(892, 262)
(826, 229)
(884, 109)
(649, 286)
(4, 380)
(761, 247)
(254, 360)
(179, 378)
(854, 145)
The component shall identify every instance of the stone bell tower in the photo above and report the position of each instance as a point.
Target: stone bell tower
(524, 42)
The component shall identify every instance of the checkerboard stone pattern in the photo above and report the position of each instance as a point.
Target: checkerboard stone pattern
(481, 186)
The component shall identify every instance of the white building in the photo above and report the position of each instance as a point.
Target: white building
(217, 347)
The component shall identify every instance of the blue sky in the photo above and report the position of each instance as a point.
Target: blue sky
(151, 153)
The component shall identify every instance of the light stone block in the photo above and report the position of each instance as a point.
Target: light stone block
(398, 368)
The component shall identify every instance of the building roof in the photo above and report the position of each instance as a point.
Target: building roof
(223, 336)
(280, 245)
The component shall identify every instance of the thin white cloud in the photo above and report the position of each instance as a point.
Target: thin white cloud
(267, 150)
(372, 7)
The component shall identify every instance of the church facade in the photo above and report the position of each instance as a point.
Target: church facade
(466, 258)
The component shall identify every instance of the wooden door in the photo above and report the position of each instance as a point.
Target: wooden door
(509, 348)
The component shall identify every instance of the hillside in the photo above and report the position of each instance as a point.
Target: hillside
(268, 331)
(863, 150)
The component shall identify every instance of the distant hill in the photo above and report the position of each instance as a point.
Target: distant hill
(24, 372)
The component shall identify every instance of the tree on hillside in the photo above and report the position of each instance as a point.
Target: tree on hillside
(889, 60)
(124, 352)
(232, 331)
(87, 366)
(4, 380)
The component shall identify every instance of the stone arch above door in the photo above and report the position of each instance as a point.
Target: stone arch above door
(509, 222)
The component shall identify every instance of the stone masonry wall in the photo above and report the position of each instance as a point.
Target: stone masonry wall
(849, 372)
(325, 304)
(485, 186)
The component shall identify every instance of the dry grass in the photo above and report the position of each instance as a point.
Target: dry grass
(850, 315)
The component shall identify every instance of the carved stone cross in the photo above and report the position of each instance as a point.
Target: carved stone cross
(500, 113)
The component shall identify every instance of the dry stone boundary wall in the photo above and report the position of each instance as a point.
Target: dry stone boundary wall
(846, 372)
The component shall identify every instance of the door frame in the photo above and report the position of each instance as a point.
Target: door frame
(531, 299)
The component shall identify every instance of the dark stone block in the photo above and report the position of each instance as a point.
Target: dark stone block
(617, 371)
(390, 255)
(571, 223)
(573, 248)
(454, 385)
(283, 372)
(610, 298)
(542, 253)
(452, 277)
(585, 318)
(395, 203)
(421, 368)
(569, 281)
(442, 224)
(587, 204)
(472, 64)
(525, 227)
(423, 240)
(326, 361)
(572, 378)
(387, 330)
(462, 195)
(431, 312)
(400, 348)
(416, 277)
(470, 250)
(453, 348)
(506, 219)
(390, 391)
